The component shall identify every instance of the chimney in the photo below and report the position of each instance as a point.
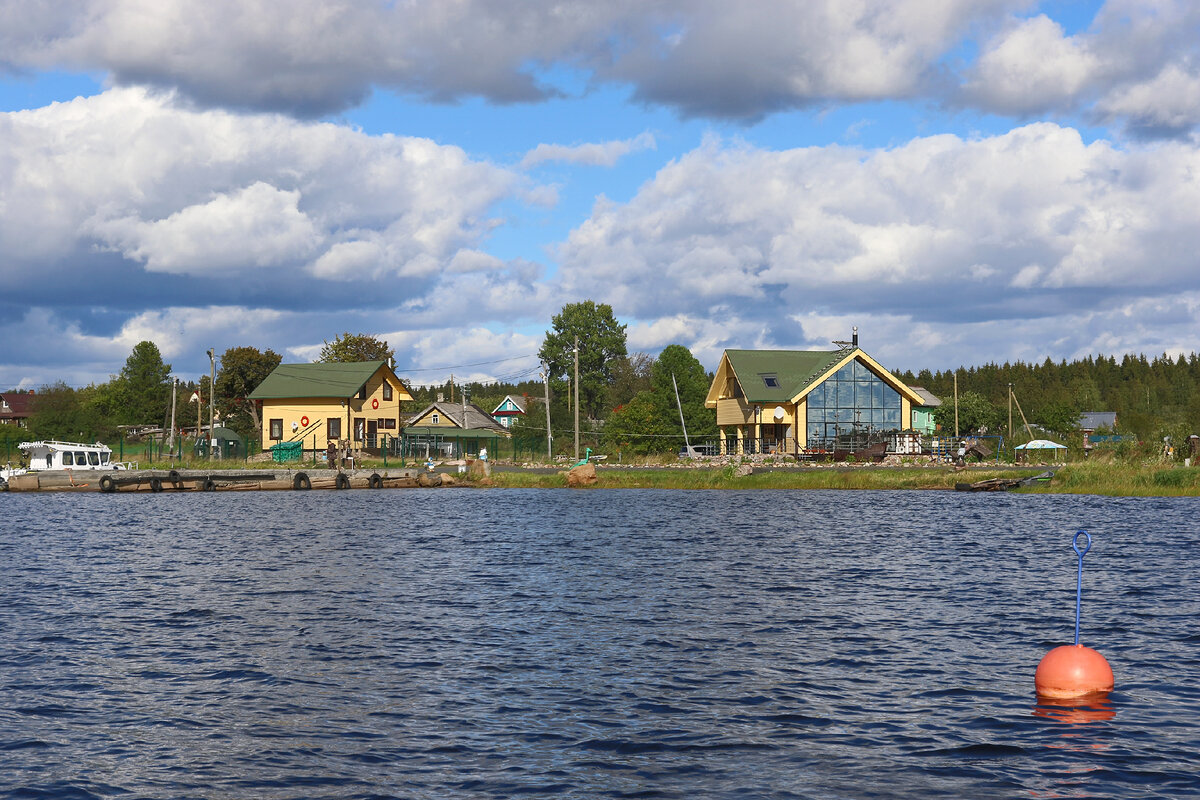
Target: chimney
(441, 397)
(854, 341)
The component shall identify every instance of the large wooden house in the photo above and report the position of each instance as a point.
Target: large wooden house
(357, 403)
(805, 402)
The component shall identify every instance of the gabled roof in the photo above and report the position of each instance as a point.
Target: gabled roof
(476, 418)
(792, 370)
(519, 402)
(784, 376)
(1093, 420)
(20, 404)
(320, 380)
(928, 400)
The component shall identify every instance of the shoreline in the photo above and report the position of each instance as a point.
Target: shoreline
(1101, 479)
(1113, 480)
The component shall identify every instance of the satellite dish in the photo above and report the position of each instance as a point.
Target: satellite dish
(780, 413)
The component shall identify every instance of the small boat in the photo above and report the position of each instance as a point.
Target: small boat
(66, 456)
(1004, 484)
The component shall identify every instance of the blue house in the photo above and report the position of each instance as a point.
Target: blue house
(508, 410)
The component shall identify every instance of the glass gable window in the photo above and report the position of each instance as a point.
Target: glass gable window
(853, 400)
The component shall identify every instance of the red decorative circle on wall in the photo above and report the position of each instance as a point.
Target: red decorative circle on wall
(375, 403)
(304, 422)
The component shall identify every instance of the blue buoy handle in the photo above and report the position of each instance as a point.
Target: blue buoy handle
(1079, 580)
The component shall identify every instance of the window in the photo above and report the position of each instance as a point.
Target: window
(362, 393)
(276, 429)
(852, 401)
(333, 428)
(771, 381)
(66, 459)
(435, 419)
(386, 424)
(387, 391)
(93, 458)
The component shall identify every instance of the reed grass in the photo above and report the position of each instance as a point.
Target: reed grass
(1117, 479)
(726, 478)
(1113, 479)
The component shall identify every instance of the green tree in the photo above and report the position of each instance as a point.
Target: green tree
(354, 347)
(678, 362)
(601, 344)
(630, 375)
(976, 414)
(639, 427)
(56, 413)
(242, 370)
(649, 423)
(1061, 419)
(145, 386)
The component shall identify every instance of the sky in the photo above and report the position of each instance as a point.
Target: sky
(966, 181)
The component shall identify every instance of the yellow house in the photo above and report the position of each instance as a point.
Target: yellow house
(319, 403)
(806, 402)
(453, 430)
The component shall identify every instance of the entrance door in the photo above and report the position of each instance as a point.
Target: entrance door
(372, 433)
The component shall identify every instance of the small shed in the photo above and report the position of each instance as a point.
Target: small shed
(229, 444)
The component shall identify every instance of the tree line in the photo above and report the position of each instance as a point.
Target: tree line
(630, 402)
(1152, 397)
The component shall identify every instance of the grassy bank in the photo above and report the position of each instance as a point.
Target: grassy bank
(1100, 479)
(1125, 480)
(1112, 478)
(725, 478)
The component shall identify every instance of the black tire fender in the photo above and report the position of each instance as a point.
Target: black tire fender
(301, 482)
(173, 476)
(342, 481)
(209, 485)
(375, 481)
(107, 484)
(156, 485)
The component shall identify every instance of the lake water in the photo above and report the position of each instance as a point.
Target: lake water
(591, 644)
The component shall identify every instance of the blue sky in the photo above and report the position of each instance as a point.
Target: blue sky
(966, 182)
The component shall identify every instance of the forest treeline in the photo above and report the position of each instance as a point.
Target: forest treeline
(632, 402)
(1152, 397)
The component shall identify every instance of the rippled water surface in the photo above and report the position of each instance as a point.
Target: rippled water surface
(571, 644)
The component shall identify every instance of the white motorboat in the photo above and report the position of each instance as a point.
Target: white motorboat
(54, 455)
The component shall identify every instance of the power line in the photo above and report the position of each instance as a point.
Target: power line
(474, 364)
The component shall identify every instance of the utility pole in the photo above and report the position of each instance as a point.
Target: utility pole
(212, 387)
(576, 398)
(171, 438)
(549, 436)
(1010, 396)
(955, 404)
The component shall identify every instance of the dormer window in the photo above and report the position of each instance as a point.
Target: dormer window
(437, 420)
(770, 381)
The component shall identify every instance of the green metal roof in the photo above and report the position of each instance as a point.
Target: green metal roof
(792, 370)
(449, 434)
(316, 380)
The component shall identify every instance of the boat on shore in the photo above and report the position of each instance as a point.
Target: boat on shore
(68, 457)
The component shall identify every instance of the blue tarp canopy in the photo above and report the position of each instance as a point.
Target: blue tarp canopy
(1041, 444)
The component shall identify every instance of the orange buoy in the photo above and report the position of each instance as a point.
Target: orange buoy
(1072, 671)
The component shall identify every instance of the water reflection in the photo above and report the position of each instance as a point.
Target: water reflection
(1094, 707)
